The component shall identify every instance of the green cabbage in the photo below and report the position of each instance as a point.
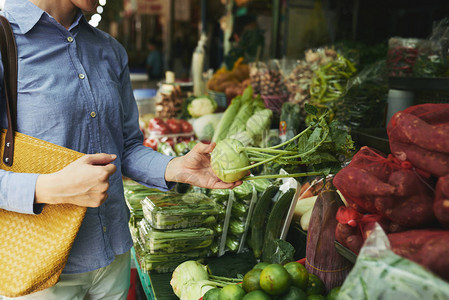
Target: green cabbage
(189, 271)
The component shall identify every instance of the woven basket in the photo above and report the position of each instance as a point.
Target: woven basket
(275, 103)
(34, 248)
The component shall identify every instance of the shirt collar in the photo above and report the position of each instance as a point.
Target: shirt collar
(26, 14)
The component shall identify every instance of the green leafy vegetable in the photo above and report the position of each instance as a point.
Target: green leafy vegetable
(319, 146)
(284, 252)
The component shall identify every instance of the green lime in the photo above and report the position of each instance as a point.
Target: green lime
(333, 293)
(231, 292)
(261, 265)
(275, 280)
(294, 293)
(251, 280)
(212, 294)
(299, 274)
(256, 295)
(316, 297)
(315, 285)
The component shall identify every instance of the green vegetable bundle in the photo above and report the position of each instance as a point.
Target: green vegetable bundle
(179, 210)
(174, 241)
(134, 193)
(165, 262)
(329, 81)
(245, 119)
(364, 103)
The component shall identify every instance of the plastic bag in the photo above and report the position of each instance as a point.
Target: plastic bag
(238, 207)
(380, 274)
(272, 82)
(290, 121)
(432, 54)
(430, 61)
(363, 104)
(401, 56)
(427, 247)
(329, 82)
(256, 71)
(298, 75)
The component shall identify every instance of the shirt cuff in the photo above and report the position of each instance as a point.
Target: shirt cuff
(155, 172)
(17, 193)
(167, 185)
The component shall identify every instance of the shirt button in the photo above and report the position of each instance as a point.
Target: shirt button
(70, 39)
(104, 228)
(93, 114)
(81, 76)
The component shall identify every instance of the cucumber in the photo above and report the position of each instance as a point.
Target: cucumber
(239, 209)
(275, 221)
(261, 184)
(258, 219)
(237, 227)
(232, 243)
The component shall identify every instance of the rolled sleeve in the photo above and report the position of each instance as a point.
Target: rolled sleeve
(147, 167)
(17, 192)
(140, 163)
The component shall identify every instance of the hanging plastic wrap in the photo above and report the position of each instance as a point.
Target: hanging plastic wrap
(401, 56)
(364, 103)
(329, 82)
(298, 75)
(381, 274)
(432, 60)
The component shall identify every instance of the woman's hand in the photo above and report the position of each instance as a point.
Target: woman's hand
(194, 168)
(84, 182)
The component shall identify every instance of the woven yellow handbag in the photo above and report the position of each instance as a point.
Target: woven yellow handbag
(33, 248)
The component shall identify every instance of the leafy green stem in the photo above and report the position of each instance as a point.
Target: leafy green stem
(306, 174)
(267, 150)
(292, 139)
(231, 171)
(311, 150)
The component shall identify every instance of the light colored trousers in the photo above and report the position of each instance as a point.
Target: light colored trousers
(109, 283)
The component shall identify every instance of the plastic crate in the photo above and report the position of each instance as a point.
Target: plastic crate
(144, 277)
(425, 90)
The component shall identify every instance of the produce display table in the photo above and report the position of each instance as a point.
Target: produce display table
(156, 286)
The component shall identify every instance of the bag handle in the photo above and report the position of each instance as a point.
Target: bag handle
(9, 59)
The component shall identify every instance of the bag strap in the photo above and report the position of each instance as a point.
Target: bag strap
(9, 59)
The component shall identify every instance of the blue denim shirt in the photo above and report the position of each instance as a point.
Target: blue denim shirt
(74, 90)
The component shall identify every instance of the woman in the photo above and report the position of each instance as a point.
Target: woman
(74, 90)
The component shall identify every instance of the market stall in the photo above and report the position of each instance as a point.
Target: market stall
(344, 169)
